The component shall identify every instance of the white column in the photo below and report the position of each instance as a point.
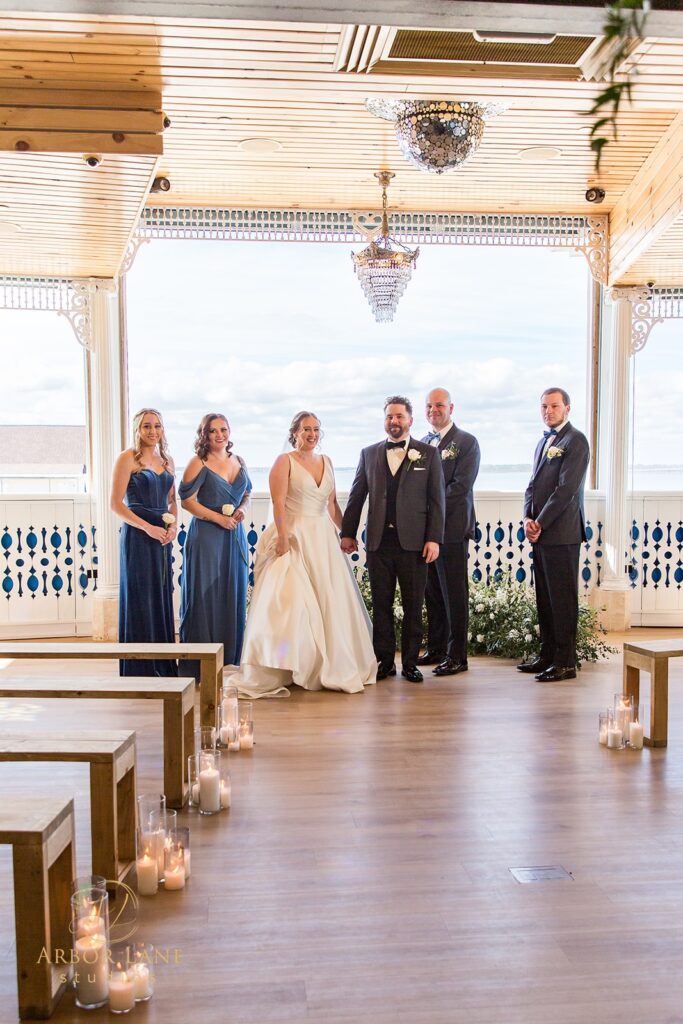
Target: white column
(615, 590)
(107, 431)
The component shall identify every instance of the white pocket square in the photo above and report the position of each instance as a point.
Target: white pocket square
(420, 469)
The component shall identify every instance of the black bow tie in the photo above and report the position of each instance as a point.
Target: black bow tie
(396, 444)
(549, 433)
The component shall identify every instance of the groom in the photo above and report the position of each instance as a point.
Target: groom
(405, 524)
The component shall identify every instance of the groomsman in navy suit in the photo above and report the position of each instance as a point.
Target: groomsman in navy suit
(447, 592)
(554, 523)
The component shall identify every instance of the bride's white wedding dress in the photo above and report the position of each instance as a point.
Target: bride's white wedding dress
(307, 622)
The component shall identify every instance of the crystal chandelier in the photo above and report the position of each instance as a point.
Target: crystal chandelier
(386, 266)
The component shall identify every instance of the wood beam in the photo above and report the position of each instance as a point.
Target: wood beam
(90, 121)
(443, 14)
(650, 205)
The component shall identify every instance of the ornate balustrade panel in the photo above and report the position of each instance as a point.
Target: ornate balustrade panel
(48, 557)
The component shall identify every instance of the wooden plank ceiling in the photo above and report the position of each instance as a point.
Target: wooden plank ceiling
(224, 84)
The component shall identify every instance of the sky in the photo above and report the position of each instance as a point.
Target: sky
(261, 330)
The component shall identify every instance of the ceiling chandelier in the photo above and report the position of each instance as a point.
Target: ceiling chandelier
(386, 266)
(436, 135)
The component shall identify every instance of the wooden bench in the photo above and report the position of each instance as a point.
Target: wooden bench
(41, 833)
(209, 656)
(177, 696)
(111, 756)
(652, 656)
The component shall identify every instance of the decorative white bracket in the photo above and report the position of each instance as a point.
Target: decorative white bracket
(595, 247)
(132, 249)
(643, 316)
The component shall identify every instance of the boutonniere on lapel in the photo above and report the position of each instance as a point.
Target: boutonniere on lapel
(554, 453)
(451, 451)
(415, 457)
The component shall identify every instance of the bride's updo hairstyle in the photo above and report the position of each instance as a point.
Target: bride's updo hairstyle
(296, 423)
(202, 442)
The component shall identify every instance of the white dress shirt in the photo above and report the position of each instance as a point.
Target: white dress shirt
(395, 457)
(436, 441)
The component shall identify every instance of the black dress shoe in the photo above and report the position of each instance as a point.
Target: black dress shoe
(556, 674)
(450, 667)
(538, 665)
(384, 669)
(412, 674)
(430, 658)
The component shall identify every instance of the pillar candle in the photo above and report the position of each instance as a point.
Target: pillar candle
(614, 738)
(187, 860)
(225, 792)
(174, 878)
(121, 990)
(90, 924)
(92, 970)
(143, 981)
(209, 790)
(148, 875)
(635, 735)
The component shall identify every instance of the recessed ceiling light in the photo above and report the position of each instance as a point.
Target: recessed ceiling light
(539, 153)
(259, 145)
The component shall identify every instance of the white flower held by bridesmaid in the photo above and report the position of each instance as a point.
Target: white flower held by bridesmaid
(167, 519)
(228, 509)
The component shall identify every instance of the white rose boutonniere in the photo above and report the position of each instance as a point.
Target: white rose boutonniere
(450, 452)
(167, 519)
(554, 453)
(414, 457)
(228, 509)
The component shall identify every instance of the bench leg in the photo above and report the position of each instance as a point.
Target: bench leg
(210, 678)
(125, 814)
(174, 753)
(188, 727)
(103, 820)
(659, 704)
(631, 685)
(43, 915)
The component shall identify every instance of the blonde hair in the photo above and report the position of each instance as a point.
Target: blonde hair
(163, 443)
(296, 423)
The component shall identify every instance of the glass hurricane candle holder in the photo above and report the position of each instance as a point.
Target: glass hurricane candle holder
(229, 722)
(209, 783)
(90, 928)
(205, 738)
(181, 835)
(246, 725)
(615, 733)
(121, 980)
(141, 963)
(603, 719)
(635, 735)
(148, 802)
(193, 779)
(174, 866)
(147, 861)
(226, 792)
(622, 709)
(88, 882)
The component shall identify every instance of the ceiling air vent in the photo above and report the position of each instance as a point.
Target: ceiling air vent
(463, 54)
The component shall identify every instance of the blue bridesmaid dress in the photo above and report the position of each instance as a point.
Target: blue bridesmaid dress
(213, 590)
(146, 588)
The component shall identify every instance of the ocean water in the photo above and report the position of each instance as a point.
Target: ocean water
(512, 478)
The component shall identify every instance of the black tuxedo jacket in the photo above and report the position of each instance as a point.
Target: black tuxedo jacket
(419, 501)
(459, 473)
(554, 497)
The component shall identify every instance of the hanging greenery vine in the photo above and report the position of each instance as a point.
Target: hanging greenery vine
(624, 26)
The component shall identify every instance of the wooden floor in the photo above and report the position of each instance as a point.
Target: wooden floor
(363, 873)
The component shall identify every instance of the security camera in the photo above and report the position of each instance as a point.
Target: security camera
(595, 195)
(161, 184)
(166, 121)
(92, 159)
(650, 285)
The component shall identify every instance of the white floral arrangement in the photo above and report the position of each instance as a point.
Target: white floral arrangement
(228, 509)
(554, 453)
(450, 452)
(167, 519)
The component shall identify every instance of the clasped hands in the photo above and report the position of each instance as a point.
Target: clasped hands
(532, 530)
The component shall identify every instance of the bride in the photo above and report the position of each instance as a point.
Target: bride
(307, 623)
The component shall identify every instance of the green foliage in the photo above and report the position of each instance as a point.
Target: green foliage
(504, 623)
(625, 24)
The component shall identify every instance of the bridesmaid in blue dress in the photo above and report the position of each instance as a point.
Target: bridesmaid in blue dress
(213, 591)
(142, 493)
